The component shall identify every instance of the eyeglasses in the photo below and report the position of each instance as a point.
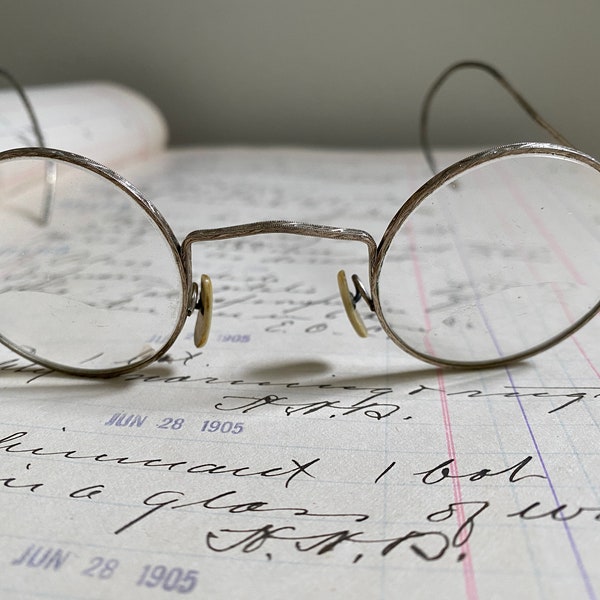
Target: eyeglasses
(492, 260)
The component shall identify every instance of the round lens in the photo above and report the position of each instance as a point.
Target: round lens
(89, 282)
(499, 261)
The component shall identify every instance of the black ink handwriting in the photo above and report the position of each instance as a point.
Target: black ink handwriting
(174, 500)
(571, 395)
(367, 406)
(444, 471)
(428, 545)
(557, 513)
(11, 445)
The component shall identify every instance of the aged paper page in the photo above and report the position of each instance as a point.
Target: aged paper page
(290, 458)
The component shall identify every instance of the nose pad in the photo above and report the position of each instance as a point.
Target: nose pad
(349, 301)
(204, 307)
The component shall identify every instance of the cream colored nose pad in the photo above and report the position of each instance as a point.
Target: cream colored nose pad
(349, 302)
(204, 306)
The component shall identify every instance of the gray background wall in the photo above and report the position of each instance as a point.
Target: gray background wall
(322, 72)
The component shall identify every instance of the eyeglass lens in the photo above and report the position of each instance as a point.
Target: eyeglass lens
(497, 261)
(91, 287)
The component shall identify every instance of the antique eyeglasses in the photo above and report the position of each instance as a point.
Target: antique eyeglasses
(492, 260)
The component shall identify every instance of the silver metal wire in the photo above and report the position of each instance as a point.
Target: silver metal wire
(50, 186)
(493, 72)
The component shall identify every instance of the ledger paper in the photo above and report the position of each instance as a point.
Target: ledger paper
(290, 458)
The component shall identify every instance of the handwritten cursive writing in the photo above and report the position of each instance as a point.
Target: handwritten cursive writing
(172, 499)
(9, 444)
(570, 395)
(428, 545)
(368, 407)
(442, 471)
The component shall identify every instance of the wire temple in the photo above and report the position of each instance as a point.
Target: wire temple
(35, 124)
(40, 141)
(490, 70)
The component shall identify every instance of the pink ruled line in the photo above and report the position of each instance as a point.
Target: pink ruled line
(559, 251)
(467, 563)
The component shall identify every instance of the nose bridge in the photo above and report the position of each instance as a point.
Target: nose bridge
(201, 298)
(265, 227)
(287, 227)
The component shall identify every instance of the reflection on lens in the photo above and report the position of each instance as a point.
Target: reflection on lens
(497, 261)
(93, 285)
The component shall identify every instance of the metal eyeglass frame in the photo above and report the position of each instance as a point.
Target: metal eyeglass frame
(199, 297)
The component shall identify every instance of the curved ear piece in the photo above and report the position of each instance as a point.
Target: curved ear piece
(50, 183)
(204, 306)
(349, 301)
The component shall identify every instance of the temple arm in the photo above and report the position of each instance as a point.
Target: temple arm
(437, 84)
(37, 130)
